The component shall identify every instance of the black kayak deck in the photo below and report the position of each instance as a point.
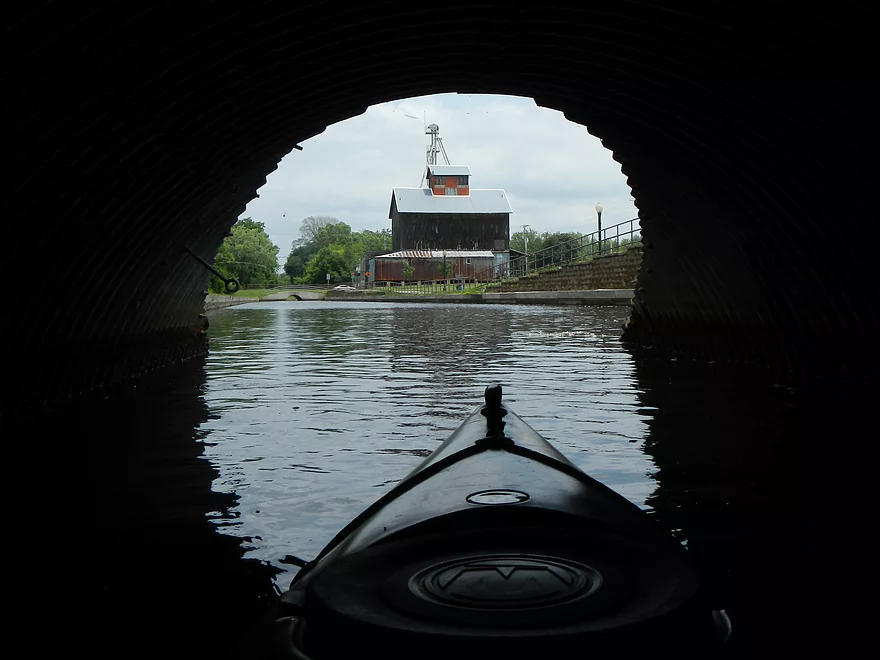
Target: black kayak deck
(496, 542)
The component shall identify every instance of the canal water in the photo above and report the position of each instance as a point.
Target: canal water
(319, 408)
(185, 496)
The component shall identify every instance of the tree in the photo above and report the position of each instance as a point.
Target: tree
(548, 248)
(337, 233)
(295, 266)
(330, 259)
(407, 271)
(315, 233)
(373, 241)
(559, 247)
(246, 254)
(518, 241)
(311, 226)
(328, 245)
(309, 261)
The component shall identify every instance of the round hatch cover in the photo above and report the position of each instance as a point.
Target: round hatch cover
(505, 582)
(498, 496)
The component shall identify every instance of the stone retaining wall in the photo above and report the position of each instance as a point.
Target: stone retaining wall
(616, 271)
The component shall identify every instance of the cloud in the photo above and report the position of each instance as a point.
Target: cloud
(554, 172)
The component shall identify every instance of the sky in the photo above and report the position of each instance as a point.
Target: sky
(553, 171)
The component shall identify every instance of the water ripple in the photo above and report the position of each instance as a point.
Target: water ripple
(316, 409)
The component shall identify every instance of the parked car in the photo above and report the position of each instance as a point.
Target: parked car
(344, 287)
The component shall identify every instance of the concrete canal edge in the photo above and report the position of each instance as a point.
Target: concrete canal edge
(587, 297)
(215, 303)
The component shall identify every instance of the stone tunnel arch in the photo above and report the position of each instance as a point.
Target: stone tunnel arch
(136, 134)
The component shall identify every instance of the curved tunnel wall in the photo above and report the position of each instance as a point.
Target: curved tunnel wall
(746, 136)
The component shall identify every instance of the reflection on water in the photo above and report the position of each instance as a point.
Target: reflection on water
(170, 512)
(330, 404)
(758, 477)
(116, 519)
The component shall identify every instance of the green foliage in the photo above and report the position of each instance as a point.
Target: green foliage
(538, 242)
(337, 233)
(518, 240)
(445, 269)
(328, 259)
(295, 266)
(252, 293)
(248, 255)
(374, 241)
(559, 246)
(309, 227)
(408, 271)
(326, 246)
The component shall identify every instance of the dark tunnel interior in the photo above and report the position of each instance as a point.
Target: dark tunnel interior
(746, 130)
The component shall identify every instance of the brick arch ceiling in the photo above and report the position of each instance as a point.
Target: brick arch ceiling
(745, 129)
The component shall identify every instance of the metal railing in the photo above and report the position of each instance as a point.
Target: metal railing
(428, 287)
(313, 287)
(615, 239)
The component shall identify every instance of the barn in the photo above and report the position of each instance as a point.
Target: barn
(470, 225)
(427, 265)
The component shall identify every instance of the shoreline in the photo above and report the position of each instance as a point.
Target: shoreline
(585, 297)
(217, 303)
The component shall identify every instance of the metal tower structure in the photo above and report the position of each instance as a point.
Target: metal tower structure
(436, 146)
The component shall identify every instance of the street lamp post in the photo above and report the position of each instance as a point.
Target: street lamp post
(599, 209)
(526, 247)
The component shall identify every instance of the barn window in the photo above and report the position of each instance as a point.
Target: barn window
(467, 261)
(462, 181)
(439, 182)
(452, 191)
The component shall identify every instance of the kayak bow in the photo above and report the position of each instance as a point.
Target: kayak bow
(497, 546)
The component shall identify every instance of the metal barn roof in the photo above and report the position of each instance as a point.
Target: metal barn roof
(436, 254)
(443, 170)
(421, 200)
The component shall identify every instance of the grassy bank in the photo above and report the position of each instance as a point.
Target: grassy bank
(253, 293)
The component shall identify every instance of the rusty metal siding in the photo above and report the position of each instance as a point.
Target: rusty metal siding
(450, 231)
(430, 269)
(367, 261)
(388, 270)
